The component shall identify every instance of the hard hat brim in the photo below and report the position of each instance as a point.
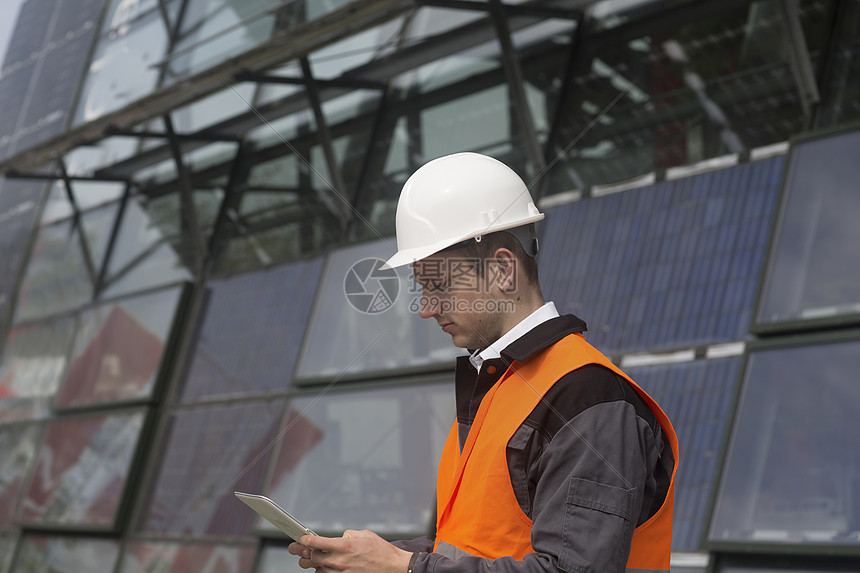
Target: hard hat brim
(406, 256)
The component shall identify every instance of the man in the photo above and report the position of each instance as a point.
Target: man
(557, 460)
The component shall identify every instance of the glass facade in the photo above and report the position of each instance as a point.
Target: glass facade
(81, 470)
(814, 250)
(249, 344)
(118, 350)
(790, 466)
(195, 196)
(374, 310)
(366, 453)
(143, 557)
(66, 555)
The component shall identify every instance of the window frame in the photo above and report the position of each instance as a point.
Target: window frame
(757, 326)
(765, 548)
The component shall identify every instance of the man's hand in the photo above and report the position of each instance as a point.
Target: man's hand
(355, 552)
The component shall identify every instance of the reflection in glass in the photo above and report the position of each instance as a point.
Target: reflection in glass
(81, 470)
(56, 278)
(213, 30)
(269, 93)
(213, 109)
(7, 550)
(369, 455)
(841, 89)
(58, 206)
(7, 26)
(151, 557)
(118, 350)
(89, 194)
(124, 66)
(252, 331)
(677, 94)
(813, 266)
(210, 452)
(98, 225)
(33, 361)
(790, 474)
(84, 161)
(279, 560)
(356, 50)
(284, 128)
(18, 443)
(345, 340)
(480, 121)
(66, 554)
(147, 252)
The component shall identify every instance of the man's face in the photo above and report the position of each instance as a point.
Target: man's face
(464, 305)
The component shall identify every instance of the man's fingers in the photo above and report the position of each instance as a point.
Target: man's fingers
(299, 549)
(320, 543)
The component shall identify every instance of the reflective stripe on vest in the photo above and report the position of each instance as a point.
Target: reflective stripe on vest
(477, 510)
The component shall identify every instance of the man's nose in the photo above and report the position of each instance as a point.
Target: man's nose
(429, 306)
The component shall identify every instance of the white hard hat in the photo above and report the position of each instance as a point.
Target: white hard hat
(455, 198)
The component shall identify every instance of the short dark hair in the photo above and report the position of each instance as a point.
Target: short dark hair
(483, 250)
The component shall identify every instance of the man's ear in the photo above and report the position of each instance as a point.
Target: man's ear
(505, 276)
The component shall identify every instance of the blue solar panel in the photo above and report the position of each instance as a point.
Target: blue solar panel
(669, 265)
(696, 396)
(43, 65)
(252, 332)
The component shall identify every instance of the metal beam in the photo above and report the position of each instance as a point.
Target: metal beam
(510, 9)
(51, 177)
(350, 83)
(826, 68)
(352, 18)
(78, 223)
(339, 205)
(114, 233)
(371, 159)
(188, 213)
(516, 85)
(403, 60)
(798, 58)
(552, 150)
(233, 192)
(205, 136)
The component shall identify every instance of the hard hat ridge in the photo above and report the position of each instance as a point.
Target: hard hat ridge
(455, 198)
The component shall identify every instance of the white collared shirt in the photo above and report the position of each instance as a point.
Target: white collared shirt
(541, 315)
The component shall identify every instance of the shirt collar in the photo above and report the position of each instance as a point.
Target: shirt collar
(494, 350)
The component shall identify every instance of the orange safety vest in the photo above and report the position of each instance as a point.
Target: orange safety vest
(477, 510)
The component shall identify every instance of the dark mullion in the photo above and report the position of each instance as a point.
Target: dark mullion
(553, 151)
(188, 217)
(516, 85)
(325, 141)
(825, 69)
(234, 190)
(373, 157)
(102, 276)
(78, 224)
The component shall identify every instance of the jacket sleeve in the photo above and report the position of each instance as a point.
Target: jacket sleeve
(581, 470)
(418, 545)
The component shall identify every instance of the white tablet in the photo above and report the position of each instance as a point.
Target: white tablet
(275, 515)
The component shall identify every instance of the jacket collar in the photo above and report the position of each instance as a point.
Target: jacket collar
(542, 337)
